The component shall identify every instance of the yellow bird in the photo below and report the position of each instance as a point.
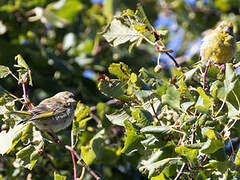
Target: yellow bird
(218, 47)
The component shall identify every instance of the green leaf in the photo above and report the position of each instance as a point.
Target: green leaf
(4, 71)
(219, 155)
(171, 98)
(230, 78)
(143, 117)
(59, 177)
(121, 70)
(29, 155)
(88, 154)
(9, 139)
(108, 9)
(152, 142)
(118, 33)
(66, 9)
(21, 62)
(213, 143)
(119, 117)
(220, 166)
(237, 160)
(133, 139)
(104, 154)
(204, 102)
(114, 88)
(189, 153)
(189, 74)
(157, 131)
(157, 166)
(82, 113)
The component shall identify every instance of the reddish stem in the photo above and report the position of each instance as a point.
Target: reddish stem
(74, 167)
(76, 155)
(24, 90)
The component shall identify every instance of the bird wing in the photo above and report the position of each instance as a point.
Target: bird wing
(43, 111)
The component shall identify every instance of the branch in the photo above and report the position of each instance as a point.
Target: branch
(56, 140)
(24, 90)
(180, 172)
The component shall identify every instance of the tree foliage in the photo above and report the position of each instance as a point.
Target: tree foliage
(137, 118)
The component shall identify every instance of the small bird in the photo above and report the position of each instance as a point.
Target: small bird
(218, 47)
(52, 114)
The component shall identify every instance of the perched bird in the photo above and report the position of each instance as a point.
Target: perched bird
(218, 47)
(52, 114)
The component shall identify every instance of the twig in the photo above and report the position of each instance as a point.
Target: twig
(180, 172)
(73, 158)
(154, 112)
(173, 59)
(74, 166)
(24, 90)
(82, 173)
(56, 140)
(205, 74)
(96, 119)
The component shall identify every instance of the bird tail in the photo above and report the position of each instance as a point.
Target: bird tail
(26, 114)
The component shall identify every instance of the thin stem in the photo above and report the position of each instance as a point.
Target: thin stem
(173, 59)
(180, 172)
(73, 158)
(99, 123)
(56, 140)
(24, 90)
(154, 112)
(205, 74)
(74, 166)
(83, 173)
(13, 75)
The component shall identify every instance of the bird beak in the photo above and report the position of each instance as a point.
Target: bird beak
(71, 100)
(227, 29)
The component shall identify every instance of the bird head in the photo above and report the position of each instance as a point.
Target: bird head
(225, 27)
(66, 97)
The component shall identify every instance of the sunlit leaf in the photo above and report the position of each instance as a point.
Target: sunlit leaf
(4, 71)
(172, 98)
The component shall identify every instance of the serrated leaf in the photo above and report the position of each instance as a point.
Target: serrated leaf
(121, 70)
(4, 71)
(59, 177)
(118, 33)
(115, 89)
(142, 116)
(82, 113)
(189, 153)
(119, 117)
(172, 97)
(157, 166)
(21, 62)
